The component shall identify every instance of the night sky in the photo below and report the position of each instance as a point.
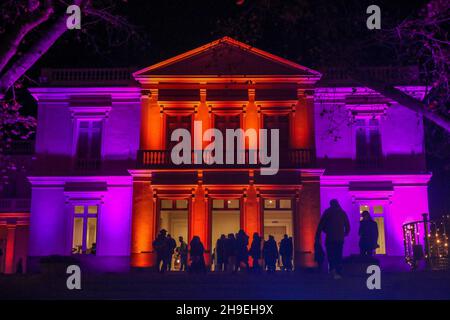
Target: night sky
(168, 27)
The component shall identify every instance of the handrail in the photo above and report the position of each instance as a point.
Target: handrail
(162, 158)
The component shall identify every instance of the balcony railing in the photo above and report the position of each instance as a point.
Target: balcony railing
(367, 163)
(86, 76)
(14, 205)
(294, 158)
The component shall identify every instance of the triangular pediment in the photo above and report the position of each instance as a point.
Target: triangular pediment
(226, 57)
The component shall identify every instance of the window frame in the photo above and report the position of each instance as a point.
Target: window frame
(367, 158)
(85, 215)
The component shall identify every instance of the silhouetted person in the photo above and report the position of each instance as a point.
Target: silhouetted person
(230, 252)
(94, 248)
(270, 252)
(334, 223)
(220, 253)
(368, 235)
(161, 247)
(172, 245)
(197, 259)
(19, 266)
(182, 250)
(286, 252)
(242, 250)
(256, 252)
(319, 255)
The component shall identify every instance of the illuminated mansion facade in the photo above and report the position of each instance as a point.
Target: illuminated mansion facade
(103, 182)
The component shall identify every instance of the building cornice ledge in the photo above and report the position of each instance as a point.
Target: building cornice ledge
(396, 179)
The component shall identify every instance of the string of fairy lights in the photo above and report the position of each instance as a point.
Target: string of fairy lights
(434, 247)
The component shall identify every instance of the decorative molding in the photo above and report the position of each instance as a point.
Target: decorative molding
(407, 179)
(86, 112)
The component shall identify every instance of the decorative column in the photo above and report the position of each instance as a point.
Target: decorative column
(10, 245)
(143, 228)
(202, 113)
(199, 216)
(307, 217)
(251, 212)
(152, 129)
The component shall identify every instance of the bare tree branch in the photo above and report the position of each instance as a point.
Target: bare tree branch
(402, 98)
(45, 42)
(12, 41)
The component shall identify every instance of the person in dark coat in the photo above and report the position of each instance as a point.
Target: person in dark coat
(160, 245)
(220, 254)
(172, 246)
(197, 251)
(270, 252)
(19, 266)
(231, 252)
(256, 252)
(242, 250)
(286, 252)
(334, 223)
(368, 235)
(319, 255)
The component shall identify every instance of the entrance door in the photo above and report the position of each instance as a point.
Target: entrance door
(173, 123)
(277, 232)
(278, 219)
(280, 122)
(2, 257)
(173, 217)
(225, 219)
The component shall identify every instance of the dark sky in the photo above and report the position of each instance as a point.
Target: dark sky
(169, 27)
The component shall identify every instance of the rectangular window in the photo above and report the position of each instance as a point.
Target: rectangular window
(89, 144)
(270, 204)
(280, 122)
(77, 246)
(368, 142)
(282, 204)
(223, 123)
(84, 238)
(173, 123)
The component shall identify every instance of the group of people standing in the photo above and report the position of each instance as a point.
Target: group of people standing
(165, 247)
(232, 254)
(335, 224)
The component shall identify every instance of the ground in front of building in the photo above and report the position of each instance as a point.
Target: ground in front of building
(144, 284)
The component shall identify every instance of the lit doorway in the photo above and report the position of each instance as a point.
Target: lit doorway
(225, 219)
(377, 213)
(173, 218)
(278, 220)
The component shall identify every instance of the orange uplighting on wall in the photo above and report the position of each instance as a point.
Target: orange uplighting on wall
(193, 97)
(143, 227)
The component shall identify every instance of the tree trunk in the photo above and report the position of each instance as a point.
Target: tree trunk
(26, 61)
(13, 39)
(402, 98)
